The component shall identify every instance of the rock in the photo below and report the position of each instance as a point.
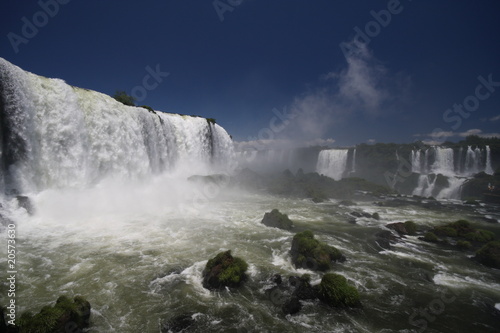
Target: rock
(430, 237)
(302, 291)
(178, 323)
(218, 179)
(336, 292)
(25, 202)
(489, 254)
(224, 271)
(66, 315)
(276, 219)
(403, 228)
(347, 203)
(384, 239)
(307, 252)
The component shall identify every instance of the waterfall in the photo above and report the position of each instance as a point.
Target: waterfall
(488, 169)
(416, 163)
(353, 169)
(444, 163)
(57, 136)
(332, 163)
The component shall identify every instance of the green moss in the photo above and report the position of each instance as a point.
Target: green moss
(308, 252)
(430, 237)
(277, 219)
(481, 236)
(410, 227)
(464, 245)
(445, 231)
(335, 291)
(53, 319)
(211, 121)
(489, 254)
(224, 270)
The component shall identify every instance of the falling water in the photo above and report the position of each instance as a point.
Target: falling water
(332, 163)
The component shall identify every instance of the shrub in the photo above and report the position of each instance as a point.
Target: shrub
(411, 227)
(121, 96)
(430, 237)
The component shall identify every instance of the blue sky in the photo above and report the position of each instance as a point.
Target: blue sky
(332, 72)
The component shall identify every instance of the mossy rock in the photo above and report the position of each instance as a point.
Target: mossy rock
(336, 292)
(481, 236)
(430, 237)
(489, 254)
(65, 314)
(411, 227)
(464, 245)
(307, 252)
(445, 231)
(276, 219)
(224, 271)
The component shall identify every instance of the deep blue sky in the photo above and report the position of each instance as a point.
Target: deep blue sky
(279, 54)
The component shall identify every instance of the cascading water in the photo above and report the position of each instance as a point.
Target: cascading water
(488, 169)
(332, 163)
(57, 136)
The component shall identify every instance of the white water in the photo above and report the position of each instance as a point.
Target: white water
(59, 136)
(467, 164)
(332, 163)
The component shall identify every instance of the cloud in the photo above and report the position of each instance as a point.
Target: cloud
(363, 87)
(496, 118)
(450, 134)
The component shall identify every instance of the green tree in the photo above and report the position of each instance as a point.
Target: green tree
(121, 96)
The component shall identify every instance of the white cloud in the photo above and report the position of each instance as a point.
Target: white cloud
(496, 118)
(363, 86)
(449, 134)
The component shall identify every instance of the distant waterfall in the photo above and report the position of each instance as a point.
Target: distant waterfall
(56, 136)
(332, 163)
(457, 165)
(488, 169)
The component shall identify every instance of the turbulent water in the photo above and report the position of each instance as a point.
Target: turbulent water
(137, 253)
(117, 221)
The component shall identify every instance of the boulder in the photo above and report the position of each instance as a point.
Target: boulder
(307, 252)
(278, 220)
(66, 314)
(489, 254)
(224, 270)
(403, 228)
(336, 292)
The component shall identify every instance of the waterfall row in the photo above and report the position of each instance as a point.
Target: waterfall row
(465, 162)
(54, 135)
(437, 162)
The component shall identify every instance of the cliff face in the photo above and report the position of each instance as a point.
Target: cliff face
(54, 135)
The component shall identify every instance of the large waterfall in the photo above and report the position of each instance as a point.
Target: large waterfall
(447, 162)
(54, 135)
(332, 163)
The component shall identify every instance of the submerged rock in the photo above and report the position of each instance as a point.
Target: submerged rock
(336, 292)
(178, 323)
(224, 271)
(308, 252)
(385, 238)
(276, 219)
(25, 202)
